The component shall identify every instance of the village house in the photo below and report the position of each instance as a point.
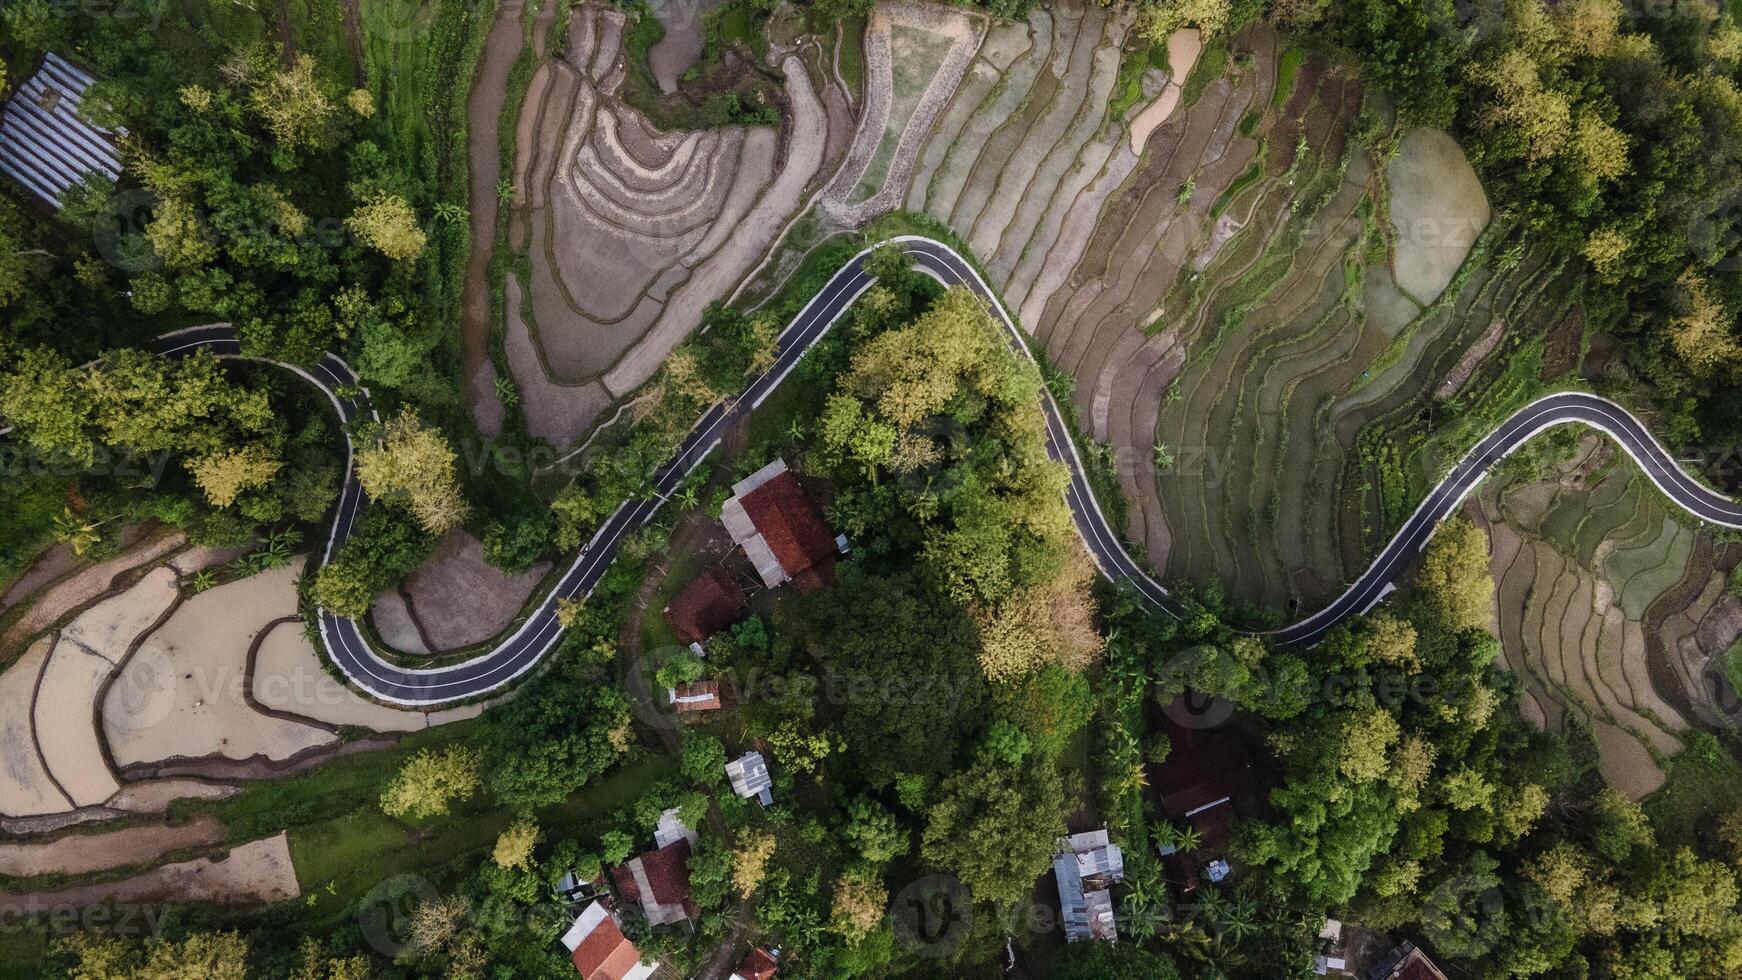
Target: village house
(749, 776)
(758, 964)
(1406, 962)
(659, 882)
(44, 144)
(600, 951)
(1205, 782)
(705, 606)
(1086, 867)
(779, 527)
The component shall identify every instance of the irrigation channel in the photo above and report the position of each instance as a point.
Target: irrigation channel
(346, 645)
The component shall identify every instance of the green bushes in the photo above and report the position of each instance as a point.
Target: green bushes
(387, 546)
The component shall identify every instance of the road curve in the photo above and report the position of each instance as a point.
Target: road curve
(521, 651)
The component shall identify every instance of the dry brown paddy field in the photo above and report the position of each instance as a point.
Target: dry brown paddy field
(1611, 610)
(130, 689)
(624, 233)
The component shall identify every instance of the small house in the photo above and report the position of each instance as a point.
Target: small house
(672, 829)
(705, 606)
(758, 964)
(749, 776)
(1086, 867)
(44, 143)
(600, 951)
(659, 882)
(779, 527)
(1406, 962)
(1204, 783)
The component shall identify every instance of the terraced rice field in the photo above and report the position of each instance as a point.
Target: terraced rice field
(136, 680)
(627, 232)
(1254, 299)
(1609, 610)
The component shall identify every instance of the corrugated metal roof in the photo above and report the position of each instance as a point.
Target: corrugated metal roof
(44, 145)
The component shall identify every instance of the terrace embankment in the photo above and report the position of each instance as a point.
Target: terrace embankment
(1612, 613)
(627, 231)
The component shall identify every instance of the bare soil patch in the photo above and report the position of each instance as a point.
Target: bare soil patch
(256, 872)
(87, 653)
(1183, 48)
(77, 854)
(155, 795)
(287, 677)
(183, 693)
(630, 230)
(73, 591)
(460, 599)
(674, 53)
(484, 104)
(26, 789)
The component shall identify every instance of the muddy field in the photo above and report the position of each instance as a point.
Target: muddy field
(150, 677)
(629, 231)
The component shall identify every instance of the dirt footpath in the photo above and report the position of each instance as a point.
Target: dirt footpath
(76, 854)
(484, 158)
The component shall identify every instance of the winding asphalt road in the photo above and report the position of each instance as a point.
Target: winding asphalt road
(521, 651)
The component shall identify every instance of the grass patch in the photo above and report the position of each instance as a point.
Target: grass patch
(1704, 783)
(1733, 665)
(1286, 71)
(1245, 180)
(1249, 123)
(1212, 63)
(851, 56)
(21, 953)
(1128, 88)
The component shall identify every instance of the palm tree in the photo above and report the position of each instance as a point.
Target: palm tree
(1237, 918)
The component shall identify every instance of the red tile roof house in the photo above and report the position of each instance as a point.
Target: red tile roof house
(778, 525)
(758, 964)
(705, 606)
(659, 881)
(1406, 962)
(600, 951)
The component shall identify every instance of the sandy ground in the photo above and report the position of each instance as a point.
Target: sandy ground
(87, 653)
(76, 590)
(392, 619)
(258, 871)
(1183, 48)
(181, 694)
(155, 795)
(460, 599)
(25, 787)
(76, 854)
(288, 677)
(1438, 208)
